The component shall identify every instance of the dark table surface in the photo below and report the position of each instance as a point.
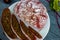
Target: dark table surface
(54, 32)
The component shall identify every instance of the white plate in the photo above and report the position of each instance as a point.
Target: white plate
(45, 30)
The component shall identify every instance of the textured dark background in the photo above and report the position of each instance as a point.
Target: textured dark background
(54, 32)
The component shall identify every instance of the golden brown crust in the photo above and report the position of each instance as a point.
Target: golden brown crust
(16, 27)
(35, 32)
(26, 30)
(6, 23)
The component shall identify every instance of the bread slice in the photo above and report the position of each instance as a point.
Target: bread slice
(27, 31)
(35, 32)
(6, 23)
(17, 29)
